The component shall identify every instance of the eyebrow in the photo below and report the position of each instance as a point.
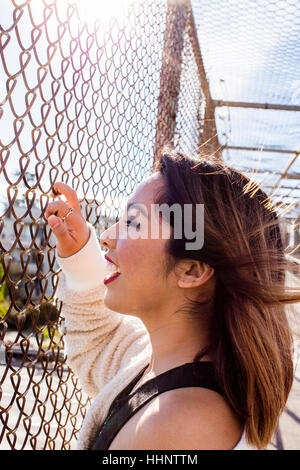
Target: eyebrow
(138, 206)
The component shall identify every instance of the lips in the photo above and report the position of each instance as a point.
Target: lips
(110, 260)
(113, 275)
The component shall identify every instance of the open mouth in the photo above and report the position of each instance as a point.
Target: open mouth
(114, 271)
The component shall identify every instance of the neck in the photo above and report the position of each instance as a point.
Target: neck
(176, 342)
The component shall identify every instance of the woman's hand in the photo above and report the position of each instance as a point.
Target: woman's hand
(73, 232)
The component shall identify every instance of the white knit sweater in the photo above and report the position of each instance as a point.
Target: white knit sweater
(104, 348)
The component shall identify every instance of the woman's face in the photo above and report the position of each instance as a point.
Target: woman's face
(142, 289)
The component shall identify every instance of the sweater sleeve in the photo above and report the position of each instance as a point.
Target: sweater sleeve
(98, 340)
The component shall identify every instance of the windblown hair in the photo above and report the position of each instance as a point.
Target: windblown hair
(251, 338)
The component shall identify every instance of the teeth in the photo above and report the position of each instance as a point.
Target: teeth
(112, 268)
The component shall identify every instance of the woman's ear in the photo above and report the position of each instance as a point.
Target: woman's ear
(193, 273)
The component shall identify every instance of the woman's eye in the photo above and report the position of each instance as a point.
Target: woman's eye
(133, 224)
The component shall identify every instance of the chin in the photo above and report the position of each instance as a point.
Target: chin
(109, 302)
(117, 306)
(113, 303)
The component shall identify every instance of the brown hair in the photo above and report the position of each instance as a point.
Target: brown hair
(251, 339)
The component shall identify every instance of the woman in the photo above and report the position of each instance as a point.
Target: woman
(186, 348)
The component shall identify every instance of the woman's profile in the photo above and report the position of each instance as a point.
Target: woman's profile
(179, 347)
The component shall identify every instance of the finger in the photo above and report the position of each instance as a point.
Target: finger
(58, 208)
(60, 230)
(69, 193)
(54, 222)
(55, 193)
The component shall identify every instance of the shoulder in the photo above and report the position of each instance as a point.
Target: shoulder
(190, 418)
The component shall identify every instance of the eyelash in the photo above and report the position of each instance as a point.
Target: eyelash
(130, 222)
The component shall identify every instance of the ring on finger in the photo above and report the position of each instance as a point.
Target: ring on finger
(68, 213)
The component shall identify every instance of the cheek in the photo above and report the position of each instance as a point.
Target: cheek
(141, 261)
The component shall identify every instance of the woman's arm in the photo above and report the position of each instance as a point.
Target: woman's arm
(98, 341)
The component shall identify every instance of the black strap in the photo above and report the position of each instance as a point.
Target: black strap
(124, 393)
(194, 374)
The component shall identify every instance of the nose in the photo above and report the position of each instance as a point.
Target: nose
(108, 238)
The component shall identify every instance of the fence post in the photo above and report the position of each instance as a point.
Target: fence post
(170, 73)
(208, 139)
(178, 18)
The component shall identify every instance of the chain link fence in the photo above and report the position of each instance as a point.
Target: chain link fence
(89, 92)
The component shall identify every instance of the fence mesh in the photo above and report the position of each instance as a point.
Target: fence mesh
(86, 98)
(89, 92)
